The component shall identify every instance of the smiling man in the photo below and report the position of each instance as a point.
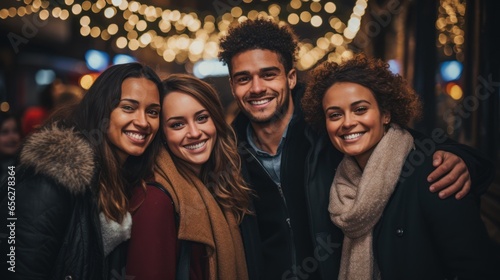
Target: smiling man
(290, 167)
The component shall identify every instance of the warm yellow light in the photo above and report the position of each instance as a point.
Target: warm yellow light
(459, 40)
(362, 3)
(305, 16)
(442, 38)
(315, 7)
(175, 15)
(64, 15)
(440, 23)
(133, 45)
(316, 21)
(84, 21)
(293, 19)
(145, 38)
(165, 26)
(76, 9)
(86, 5)
(37, 4)
(142, 9)
(105, 35)
(194, 25)
(274, 10)
(110, 12)
(323, 43)
(100, 4)
(132, 34)
(337, 39)
(69, 2)
(358, 10)
(85, 30)
(141, 25)
(12, 12)
(183, 42)
(4, 13)
(133, 6)
(95, 32)
(121, 42)
(456, 92)
(349, 33)
(86, 81)
(124, 5)
(196, 47)
(4, 107)
(169, 55)
(253, 14)
(179, 27)
(181, 57)
(133, 19)
(116, 3)
(44, 14)
(21, 11)
(330, 7)
(236, 12)
(112, 29)
(296, 4)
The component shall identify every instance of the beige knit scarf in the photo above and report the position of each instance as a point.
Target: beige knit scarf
(203, 221)
(358, 198)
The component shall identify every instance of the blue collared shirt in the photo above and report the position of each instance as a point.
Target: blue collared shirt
(272, 163)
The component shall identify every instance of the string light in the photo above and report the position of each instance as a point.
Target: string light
(450, 27)
(179, 36)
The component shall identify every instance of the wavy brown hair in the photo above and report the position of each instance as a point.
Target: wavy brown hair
(221, 173)
(392, 92)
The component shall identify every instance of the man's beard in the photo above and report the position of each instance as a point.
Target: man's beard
(279, 114)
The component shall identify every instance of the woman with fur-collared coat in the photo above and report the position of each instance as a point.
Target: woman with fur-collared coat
(72, 185)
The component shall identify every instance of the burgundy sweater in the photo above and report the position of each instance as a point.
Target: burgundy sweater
(154, 248)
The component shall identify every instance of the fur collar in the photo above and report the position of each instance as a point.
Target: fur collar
(61, 154)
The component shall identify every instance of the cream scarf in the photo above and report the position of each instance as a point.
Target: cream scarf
(203, 221)
(358, 198)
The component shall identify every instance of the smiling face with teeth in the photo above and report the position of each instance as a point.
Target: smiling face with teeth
(261, 86)
(354, 121)
(134, 122)
(189, 129)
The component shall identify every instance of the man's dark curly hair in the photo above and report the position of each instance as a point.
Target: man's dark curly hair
(260, 34)
(392, 92)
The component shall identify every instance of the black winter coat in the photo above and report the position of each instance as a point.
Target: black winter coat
(57, 226)
(421, 236)
(291, 236)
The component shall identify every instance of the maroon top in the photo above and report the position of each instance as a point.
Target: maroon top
(154, 248)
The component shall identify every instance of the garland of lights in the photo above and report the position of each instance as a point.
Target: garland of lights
(178, 36)
(450, 24)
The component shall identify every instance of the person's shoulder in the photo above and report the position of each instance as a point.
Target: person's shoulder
(151, 194)
(62, 155)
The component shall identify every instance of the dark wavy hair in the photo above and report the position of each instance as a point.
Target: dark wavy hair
(221, 173)
(260, 34)
(91, 119)
(392, 92)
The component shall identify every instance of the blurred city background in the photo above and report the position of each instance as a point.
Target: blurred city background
(52, 50)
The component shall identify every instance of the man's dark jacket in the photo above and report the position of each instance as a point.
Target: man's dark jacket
(299, 209)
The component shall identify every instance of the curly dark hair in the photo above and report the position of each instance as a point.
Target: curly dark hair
(260, 34)
(392, 92)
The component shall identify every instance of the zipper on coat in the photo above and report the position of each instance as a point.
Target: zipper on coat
(288, 219)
